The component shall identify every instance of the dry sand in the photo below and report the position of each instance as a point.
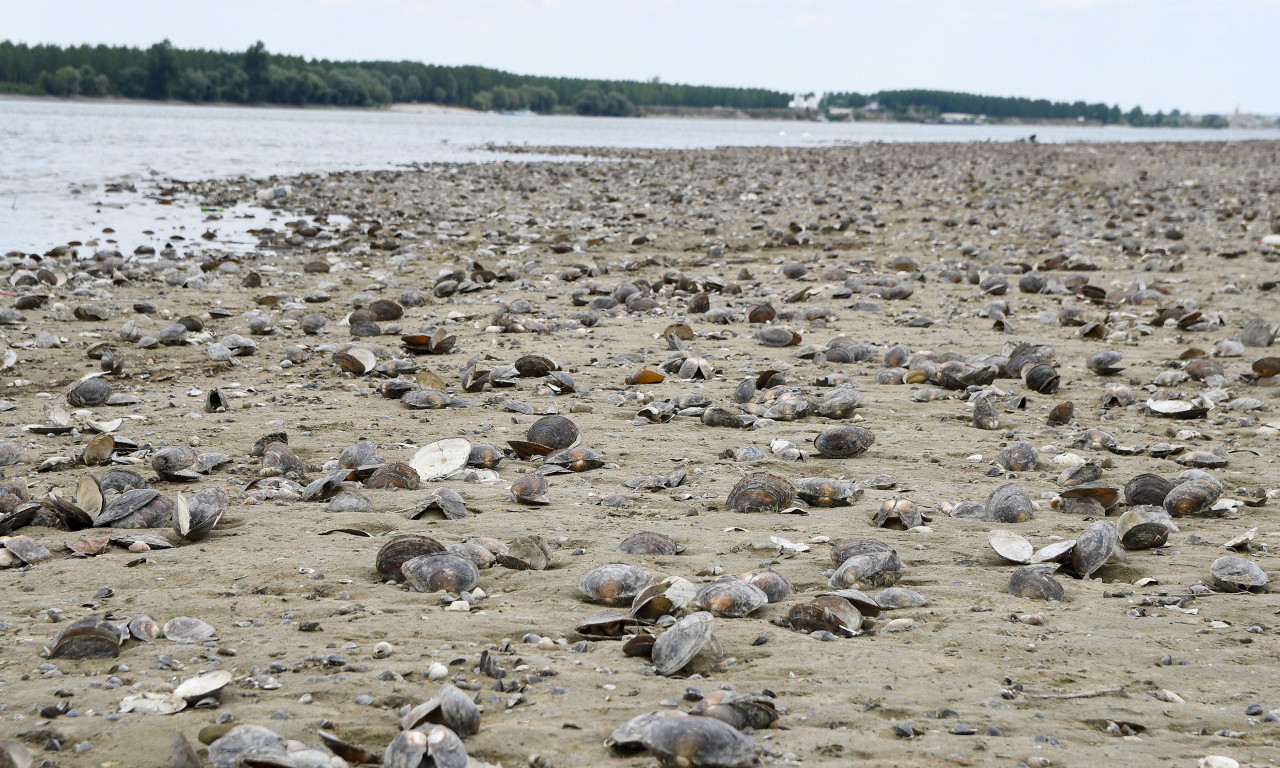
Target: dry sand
(1030, 692)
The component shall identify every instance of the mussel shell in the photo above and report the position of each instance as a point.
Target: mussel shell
(606, 625)
(139, 508)
(484, 456)
(555, 432)
(90, 393)
(186, 630)
(451, 707)
(395, 475)
(847, 548)
(1093, 547)
(194, 520)
(1147, 489)
(901, 511)
(441, 571)
(900, 597)
(777, 336)
(984, 414)
(873, 569)
(1010, 503)
(774, 585)
(732, 598)
(649, 543)
(826, 491)
(827, 613)
(358, 455)
(1192, 498)
(278, 459)
(576, 459)
(225, 751)
(530, 489)
(400, 550)
(1062, 413)
(614, 583)
(843, 441)
(88, 638)
(1019, 457)
(1235, 574)
(1011, 546)
(740, 710)
(722, 417)
(760, 492)
(1144, 526)
(627, 737)
(679, 645)
(535, 366)
(1106, 496)
(665, 597)
(527, 553)
(1042, 378)
(1036, 582)
(171, 461)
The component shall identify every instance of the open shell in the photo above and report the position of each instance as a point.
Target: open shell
(683, 642)
(1145, 526)
(1235, 574)
(440, 459)
(1093, 547)
(451, 707)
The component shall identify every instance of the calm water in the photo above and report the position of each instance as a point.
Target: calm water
(56, 157)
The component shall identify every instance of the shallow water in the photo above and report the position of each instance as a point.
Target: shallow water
(58, 155)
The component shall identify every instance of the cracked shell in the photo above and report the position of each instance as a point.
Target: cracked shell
(1235, 574)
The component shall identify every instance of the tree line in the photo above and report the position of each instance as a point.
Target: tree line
(258, 76)
(926, 104)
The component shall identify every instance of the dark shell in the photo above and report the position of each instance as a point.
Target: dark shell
(484, 457)
(555, 432)
(872, 569)
(194, 520)
(683, 642)
(1010, 503)
(535, 366)
(1062, 413)
(1036, 582)
(1106, 496)
(1144, 526)
(847, 548)
(760, 492)
(1019, 457)
(627, 737)
(1042, 378)
(827, 613)
(27, 549)
(698, 741)
(139, 508)
(88, 638)
(90, 393)
(400, 550)
(441, 570)
(451, 707)
(1192, 498)
(1093, 547)
(827, 492)
(777, 336)
(396, 475)
(575, 459)
(1103, 362)
(665, 597)
(722, 417)
(649, 543)
(844, 441)
(731, 597)
(984, 414)
(606, 625)
(761, 313)
(613, 584)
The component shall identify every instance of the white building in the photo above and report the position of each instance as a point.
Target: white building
(801, 102)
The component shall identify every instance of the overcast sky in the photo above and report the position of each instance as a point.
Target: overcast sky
(1196, 55)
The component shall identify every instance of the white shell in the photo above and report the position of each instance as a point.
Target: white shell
(440, 459)
(1011, 546)
(200, 686)
(153, 703)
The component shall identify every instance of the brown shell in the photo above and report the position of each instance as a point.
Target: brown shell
(606, 625)
(760, 492)
(1042, 378)
(826, 491)
(774, 585)
(194, 520)
(360, 454)
(400, 550)
(576, 459)
(1106, 496)
(649, 543)
(88, 638)
(698, 741)
(731, 597)
(530, 489)
(722, 417)
(1010, 503)
(843, 441)
(1147, 488)
(384, 310)
(902, 512)
(394, 475)
(984, 414)
(1062, 413)
(847, 548)
(740, 710)
(761, 313)
(1192, 498)
(484, 457)
(1036, 582)
(174, 462)
(1267, 366)
(535, 366)
(777, 336)
(555, 432)
(827, 613)
(870, 569)
(441, 571)
(662, 598)
(613, 584)
(280, 460)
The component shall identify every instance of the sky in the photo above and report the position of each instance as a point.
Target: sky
(1199, 56)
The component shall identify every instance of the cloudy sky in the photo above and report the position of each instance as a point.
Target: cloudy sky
(1196, 55)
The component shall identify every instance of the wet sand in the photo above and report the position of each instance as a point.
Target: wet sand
(979, 685)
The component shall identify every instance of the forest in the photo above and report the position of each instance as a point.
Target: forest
(257, 76)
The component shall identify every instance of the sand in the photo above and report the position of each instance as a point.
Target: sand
(978, 679)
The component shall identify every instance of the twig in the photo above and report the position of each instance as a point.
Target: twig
(1116, 690)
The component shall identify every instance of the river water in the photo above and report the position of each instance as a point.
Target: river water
(57, 157)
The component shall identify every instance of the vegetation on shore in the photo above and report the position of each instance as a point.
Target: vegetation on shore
(256, 76)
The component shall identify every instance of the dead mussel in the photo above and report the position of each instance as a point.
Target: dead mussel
(1010, 503)
(530, 489)
(826, 491)
(862, 563)
(441, 571)
(901, 513)
(649, 543)
(1036, 582)
(1020, 456)
(1145, 526)
(731, 597)
(1235, 574)
(741, 710)
(194, 520)
(684, 641)
(555, 432)
(613, 584)
(402, 549)
(435, 746)
(844, 441)
(451, 707)
(760, 492)
(678, 742)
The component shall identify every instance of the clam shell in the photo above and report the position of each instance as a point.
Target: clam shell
(606, 625)
(739, 710)
(678, 646)
(775, 586)
(1036, 582)
(1019, 457)
(441, 571)
(186, 630)
(279, 460)
(90, 393)
(984, 414)
(649, 543)
(1106, 496)
(1235, 574)
(843, 441)
(225, 751)
(528, 553)
(760, 492)
(88, 638)
(613, 584)
(904, 512)
(438, 460)
(174, 462)
(826, 613)
(445, 500)
(531, 489)
(627, 737)
(1093, 547)
(826, 491)
(358, 455)
(1145, 526)
(1146, 488)
(1010, 503)
(663, 598)
(451, 707)
(201, 686)
(1011, 546)
(400, 550)
(395, 475)
(732, 598)
(196, 519)
(555, 432)
(1042, 378)
(900, 597)
(1192, 498)
(777, 336)
(872, 569)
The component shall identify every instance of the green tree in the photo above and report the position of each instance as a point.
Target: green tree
(162, 66)
(256, 64)
(92, 83)
(63, 82)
